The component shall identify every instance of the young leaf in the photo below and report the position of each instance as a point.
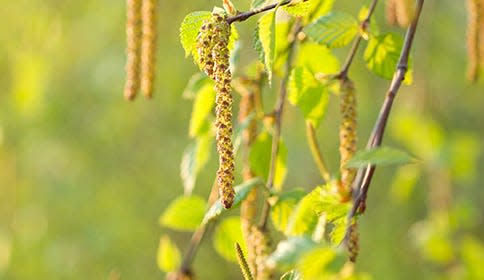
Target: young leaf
(266, 28)
(184, 213)
(380, 156)
(189, 30)
(338, 231)
(317, 59)
(227, 233)
(202, 107)
(282, 209)
(304, 217)
(197, 81)
(307, 94)
(321, 263)
(260, 158)
(382, 55)
(289, 251)
(194, 159)
(334, 30)
(257, 3)
(241, 192)
(168, 256)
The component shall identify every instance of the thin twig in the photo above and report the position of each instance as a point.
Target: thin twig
(356, 44)
(363, 180)
(316, 151)
(278, 110)
(245, 15)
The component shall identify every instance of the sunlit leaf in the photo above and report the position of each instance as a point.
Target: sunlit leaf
(289, 251)
(380, 156)
(472, 255)
(338, 230)
(282, 209)
(266, 28)
(382, 55)
(241, 192)
(304, 218)
(189, 30)
(168, 257)
(202, 107)
(317, 59)
(334, 30)
(194, 159)
(321, 263)
(227, 233)
(184, 213)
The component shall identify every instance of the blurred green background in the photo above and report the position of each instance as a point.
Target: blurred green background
(84, 175)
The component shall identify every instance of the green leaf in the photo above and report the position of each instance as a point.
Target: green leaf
(320, 8)
(266, 30)
(338, 231)
(304, 218)
(291, 275)
(189, 30)
(194, 159)
(334, 30)
(379, 156)
(282, 209)
(329, 203)
(260, 158)
(289, 251)
(317, 59)
(382, 55)
(168, 256)
(202, 108)
(298, 8)
(184, 213)
(241, 192)
(195, 84)
(321, 263)
(257, 3)
(227, 233)
(308, 95)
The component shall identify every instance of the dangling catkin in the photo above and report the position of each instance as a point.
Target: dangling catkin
(347, 136)
(148, 47)
(400, 12)
(391, 12)
(133, 41)
(475, 38)
(212, 45)
(353, 242)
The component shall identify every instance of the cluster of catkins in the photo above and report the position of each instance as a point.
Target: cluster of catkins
(347, 135)
(213, 58)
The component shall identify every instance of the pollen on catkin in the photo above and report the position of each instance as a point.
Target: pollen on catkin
(347, 136)
(133, 42)
(213, 52)
(148, 46)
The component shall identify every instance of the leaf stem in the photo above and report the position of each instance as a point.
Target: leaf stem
(245, 15)
(365, 175)
(316, 151)
(356, 44)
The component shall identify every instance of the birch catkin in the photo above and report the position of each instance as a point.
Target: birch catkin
(347, 135)
(475, 38)
(353, 242)
(212, 45)
(148, 47)
(133, 41)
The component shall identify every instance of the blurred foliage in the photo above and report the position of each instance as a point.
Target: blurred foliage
(85, 175)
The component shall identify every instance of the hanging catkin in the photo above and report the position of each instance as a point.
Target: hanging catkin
(475, 38)
(347, 136)
(212, 45)
(148, 47)
(353, 242)
(133, 41)
(400, 12)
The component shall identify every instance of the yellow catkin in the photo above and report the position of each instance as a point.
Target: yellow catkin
(148, 47)
(261, 245)
(212, 45)
(347, 136)
(404, 10)
(391, 12)
(353, 242)
(475, 38)
(133, 42)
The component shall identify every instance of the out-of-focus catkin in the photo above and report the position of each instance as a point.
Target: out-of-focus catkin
(353, 242)
(148, 46)
(212, 45)
(400, 12)
(133, 50)
(261, 245)
(475, 38)
(347, 136)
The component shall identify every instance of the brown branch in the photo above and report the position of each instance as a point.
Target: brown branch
(245, 15)
(365, 175)
(316, 151)
(356, 44)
